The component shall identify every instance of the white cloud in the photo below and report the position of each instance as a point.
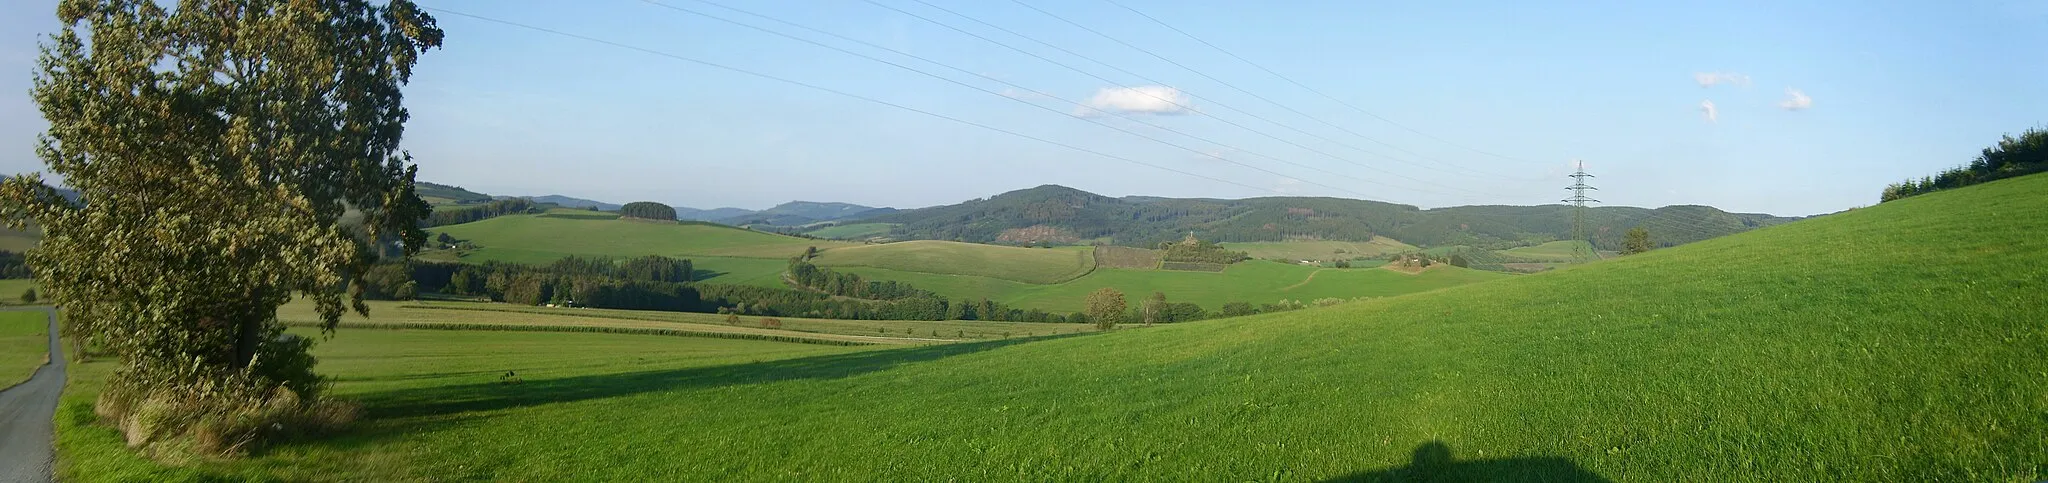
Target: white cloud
(1795, 100)
(1709, 79)
(1159, 100)
(1713, 114)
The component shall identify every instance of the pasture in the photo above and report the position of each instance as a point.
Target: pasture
(24, 340)
(1253, 281)
(1557, 251)
(461, 314)
(1321, 250)
(1891, 343)
(11, 290)
(558, 233)
(852, 231)
(1028, 265)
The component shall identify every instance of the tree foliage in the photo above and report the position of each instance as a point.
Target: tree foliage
(456, 215)
(1636, 241)
(2012, 156)
(1106, 307)
(229, 155)
(648, 210)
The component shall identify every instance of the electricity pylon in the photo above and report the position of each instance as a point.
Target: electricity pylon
(1578, 201)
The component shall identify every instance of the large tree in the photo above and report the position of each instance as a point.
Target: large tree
(1106, 307)
(1637, 240)
(229, 154)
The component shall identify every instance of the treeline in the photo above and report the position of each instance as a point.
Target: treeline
(804, 274)
(14, 265)
(1200, 251)
(2021, 156)
(648, 210)
(457, 216)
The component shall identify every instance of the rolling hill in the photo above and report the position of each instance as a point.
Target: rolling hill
(1027, 265)
(1060, 214)
(714, 214)
(441, 194)
(798, 213)
(569, 202)
(746, 256)
(1900, 342)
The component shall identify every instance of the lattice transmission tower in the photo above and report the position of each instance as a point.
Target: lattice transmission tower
(1578, 201)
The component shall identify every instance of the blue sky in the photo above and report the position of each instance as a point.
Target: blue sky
(1815, 105)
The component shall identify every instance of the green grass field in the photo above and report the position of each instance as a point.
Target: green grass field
(19, 241)
(1028, 265)
(11, 290)
(24, 340)
(1255, 281)
(558, 233)
(397, 373)
(867, 331)
(853, 231)
(1899, 342)
(1321, 250)
(1559, 251)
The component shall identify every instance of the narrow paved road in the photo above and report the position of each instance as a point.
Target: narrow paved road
(27, 411)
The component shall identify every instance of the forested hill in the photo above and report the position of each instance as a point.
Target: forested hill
(1059, 214)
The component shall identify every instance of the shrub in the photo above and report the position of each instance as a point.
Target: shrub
(771, 323)
(28, 296)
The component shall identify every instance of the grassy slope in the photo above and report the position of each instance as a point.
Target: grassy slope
(1028, 265)
(550, 236)
(1321, 250)
(855, 230)
(1900, 342)
(19, 240)
(876, 331)
(1254, 281)
(1562, 251)
(24, 338)
(387, 368)
(11, 289)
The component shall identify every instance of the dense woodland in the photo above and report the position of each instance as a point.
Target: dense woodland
(456, 215)
(2012, 156)
(1200, 251)
(648, 210)
(14, 265)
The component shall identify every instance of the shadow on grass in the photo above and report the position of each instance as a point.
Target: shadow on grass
(443, 400)
(1433, 462)
(699, 274)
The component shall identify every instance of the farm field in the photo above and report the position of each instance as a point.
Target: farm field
(867, 331)
(1253, 281)
(1321, 250)
(1028, 265)
(1798, 352)
(11, 289)
(19, 240)
(852, 231)
(24, 340)
(1558, 251)
(562, 232)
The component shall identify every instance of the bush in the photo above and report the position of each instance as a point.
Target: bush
(28, 296)
(771, 323)
(175, 407)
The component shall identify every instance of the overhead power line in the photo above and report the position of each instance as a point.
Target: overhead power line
(1305, 87)
(1149, 94)
(1254, 95)
(1012, 98)
(837, 92)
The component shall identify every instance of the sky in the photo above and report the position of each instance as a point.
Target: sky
(1789, 108)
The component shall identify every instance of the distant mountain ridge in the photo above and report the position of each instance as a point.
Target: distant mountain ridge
(1059, 214)
(569, 202)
